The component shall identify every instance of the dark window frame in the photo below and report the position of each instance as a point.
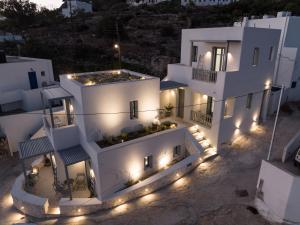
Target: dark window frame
(148, 162)
(134, 113)
(176, 151)
(255, 57)
(249, 101)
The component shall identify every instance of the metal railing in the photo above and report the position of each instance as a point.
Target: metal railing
(201, 118)
(205, 75)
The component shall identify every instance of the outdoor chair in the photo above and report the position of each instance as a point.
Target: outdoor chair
(80, 182)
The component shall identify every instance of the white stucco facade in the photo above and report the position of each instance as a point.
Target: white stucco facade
(73, 6)
(17, 91)
(278, 193)
(144, 2)
(287, 68)
(229, 87)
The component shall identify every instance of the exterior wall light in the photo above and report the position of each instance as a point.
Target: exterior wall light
(164, 161)
(69, 77)
(268, 84)
(79, 210)
(92, 174)
(116, 46)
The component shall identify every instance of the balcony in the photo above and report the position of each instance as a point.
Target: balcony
(201, 118)
(205, 75)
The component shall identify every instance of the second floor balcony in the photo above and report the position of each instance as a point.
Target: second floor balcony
(204, 75)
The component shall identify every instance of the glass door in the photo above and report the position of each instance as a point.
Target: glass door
(218, 59)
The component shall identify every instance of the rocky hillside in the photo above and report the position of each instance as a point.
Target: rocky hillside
(149, 36)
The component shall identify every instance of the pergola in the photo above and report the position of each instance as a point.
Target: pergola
(33, 148)
(50, 95)
(70, 157)
(42, 146)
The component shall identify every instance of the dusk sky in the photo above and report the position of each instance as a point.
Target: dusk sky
(51, 4)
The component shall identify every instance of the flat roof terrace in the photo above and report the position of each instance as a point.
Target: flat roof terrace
(107, 77)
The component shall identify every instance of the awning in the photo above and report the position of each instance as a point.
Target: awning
(56, 93)
(73, 155)
(167, 85)
(35, 147)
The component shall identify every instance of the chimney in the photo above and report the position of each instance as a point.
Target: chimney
(245, 22)
(2, 57)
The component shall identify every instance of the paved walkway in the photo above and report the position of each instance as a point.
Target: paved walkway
(207, 196)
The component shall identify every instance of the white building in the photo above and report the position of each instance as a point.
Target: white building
(71, 7)
(278, 186)
(228, 73)
(207, 2)
(144, 2)
(110, 130)
(22, 80)
(287, 68)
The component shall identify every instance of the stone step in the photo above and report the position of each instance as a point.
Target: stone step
(198, 136)
(204, 143)
(53, 211)
(208, 154)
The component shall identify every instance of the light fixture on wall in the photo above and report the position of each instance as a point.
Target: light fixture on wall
(135, 172)
(164, 161)
(208, 54)
(69, 77)
(268, 84)
(92, 174)
(71, 108)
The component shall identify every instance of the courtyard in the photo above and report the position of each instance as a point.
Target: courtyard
(218, 192)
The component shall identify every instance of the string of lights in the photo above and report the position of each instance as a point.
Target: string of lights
(143, 111)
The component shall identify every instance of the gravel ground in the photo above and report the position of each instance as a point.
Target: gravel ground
(218, 192)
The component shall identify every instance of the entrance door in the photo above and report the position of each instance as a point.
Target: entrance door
(33, 80)
(180, 111)
(209, 108)
(264, 107)
(218, 59)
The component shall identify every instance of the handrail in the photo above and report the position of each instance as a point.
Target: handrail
(201, 118)
(205, 75)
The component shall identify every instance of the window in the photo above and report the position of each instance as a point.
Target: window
(294, 84)
(177, 151)
(271, 53)
(194, 53)
(255, 57)
(133, 110)
(249, 101)
(148, 162)
(229, 107)
(43, 73)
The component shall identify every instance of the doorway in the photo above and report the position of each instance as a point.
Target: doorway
(32, 80)
(218, 59)
(180, 109)
(264, 107)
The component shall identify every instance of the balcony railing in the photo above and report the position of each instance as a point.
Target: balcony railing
(201, 118)
(205, 75)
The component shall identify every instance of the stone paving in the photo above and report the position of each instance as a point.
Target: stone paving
(218, 192)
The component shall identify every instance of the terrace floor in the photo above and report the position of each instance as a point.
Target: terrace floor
(44, 188)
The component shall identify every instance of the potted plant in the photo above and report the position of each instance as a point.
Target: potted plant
(168, 110)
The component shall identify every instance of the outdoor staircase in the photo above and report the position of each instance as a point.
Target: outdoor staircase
(208, 152)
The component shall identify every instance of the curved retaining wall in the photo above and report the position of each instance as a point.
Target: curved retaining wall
(86, 206)
(38, 207)
(28, 203)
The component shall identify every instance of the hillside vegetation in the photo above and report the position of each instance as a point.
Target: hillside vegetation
(149, 35)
